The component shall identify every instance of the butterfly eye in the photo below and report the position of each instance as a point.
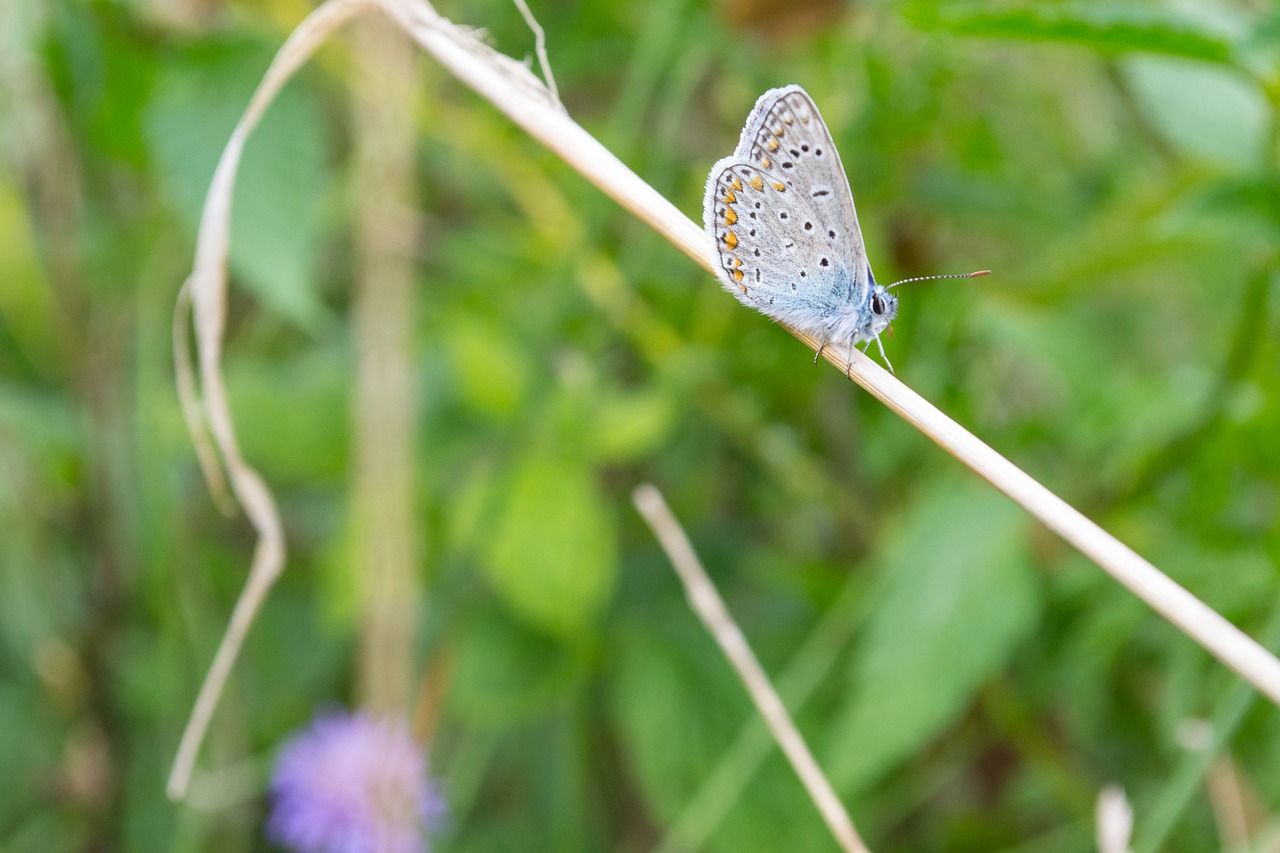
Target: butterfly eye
(877, 304)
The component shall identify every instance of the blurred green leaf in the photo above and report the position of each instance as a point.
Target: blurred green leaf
(508, 674)
(551, 554)
(125, 71)
(39, 745)
(45, 423)
(960, 594)
(627, 426)
(294, 414)
(1104, 27)
(1203, 110)
(1229, 581)
(775, 813)
(492, 369)
(676, 704)
(27, 310)
(1260, 50)
(275, 216)
(1236, 207)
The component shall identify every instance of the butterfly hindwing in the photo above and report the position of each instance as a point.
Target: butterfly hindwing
(773, 251)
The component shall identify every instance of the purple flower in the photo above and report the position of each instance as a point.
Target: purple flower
(353, 784)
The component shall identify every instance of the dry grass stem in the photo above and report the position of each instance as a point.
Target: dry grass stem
(706, 602)
(1233, 804)
(207, 287)
(189, 401)
(540, 47)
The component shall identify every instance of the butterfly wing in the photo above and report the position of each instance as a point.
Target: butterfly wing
(786, 128)
(782, 217)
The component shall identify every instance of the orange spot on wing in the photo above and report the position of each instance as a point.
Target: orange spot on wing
(757, 183)
(730, 217)
(780, 187)
(773, 145)
(730, 198)
(731, 240)
(765, 162)
(736, 184)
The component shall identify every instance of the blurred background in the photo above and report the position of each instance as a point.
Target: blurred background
(968, 681)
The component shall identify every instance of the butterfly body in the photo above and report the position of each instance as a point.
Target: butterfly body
(786, 232)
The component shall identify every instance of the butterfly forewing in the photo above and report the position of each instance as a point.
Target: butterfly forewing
(782, 214)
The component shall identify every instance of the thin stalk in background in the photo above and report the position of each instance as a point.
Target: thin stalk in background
(710, 608)
(387, 540)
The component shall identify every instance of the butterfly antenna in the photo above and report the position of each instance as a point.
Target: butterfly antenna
(977, 274)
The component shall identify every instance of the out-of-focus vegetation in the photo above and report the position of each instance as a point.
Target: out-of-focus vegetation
(969, 682)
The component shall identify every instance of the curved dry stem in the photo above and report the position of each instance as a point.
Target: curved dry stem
(715, 616)
(184, 375)
(207, 288)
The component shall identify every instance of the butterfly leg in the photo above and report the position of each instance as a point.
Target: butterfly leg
(818, 354)
(848, 362)
(887, 363)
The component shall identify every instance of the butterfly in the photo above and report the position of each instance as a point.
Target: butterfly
(786, 232)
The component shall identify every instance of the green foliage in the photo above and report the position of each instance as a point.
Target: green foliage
(1102, 27)
(1205, 110)
(188, 119)
(969, 682)
(953, 609)
(550, 553)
